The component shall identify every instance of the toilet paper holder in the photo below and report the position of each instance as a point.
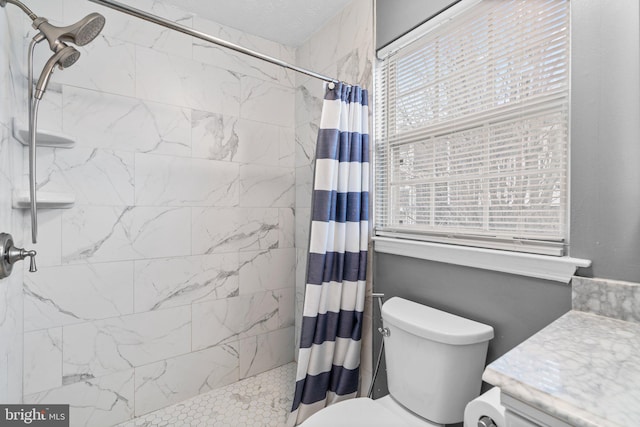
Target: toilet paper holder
(486, 422)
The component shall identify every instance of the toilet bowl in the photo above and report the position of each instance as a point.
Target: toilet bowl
(383, 412)
(434, 368)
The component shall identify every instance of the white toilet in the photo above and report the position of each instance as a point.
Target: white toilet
(434, 367)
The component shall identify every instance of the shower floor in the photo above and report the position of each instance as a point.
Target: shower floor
(260, 401)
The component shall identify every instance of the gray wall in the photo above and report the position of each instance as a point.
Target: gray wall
(605, 189)
(605, 138)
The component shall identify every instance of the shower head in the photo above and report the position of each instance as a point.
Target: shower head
(65, 57)
(80, 33)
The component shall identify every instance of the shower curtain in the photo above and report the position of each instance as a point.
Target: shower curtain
(329, 354)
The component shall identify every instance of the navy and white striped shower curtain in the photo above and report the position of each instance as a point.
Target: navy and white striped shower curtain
(329, 354)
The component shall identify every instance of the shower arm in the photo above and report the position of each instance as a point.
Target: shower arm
(24, 8)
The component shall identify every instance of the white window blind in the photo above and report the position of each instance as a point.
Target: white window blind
(472, 130)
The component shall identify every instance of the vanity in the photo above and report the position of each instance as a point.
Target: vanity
(583, 370)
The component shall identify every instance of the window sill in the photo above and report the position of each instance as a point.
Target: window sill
(559, 269)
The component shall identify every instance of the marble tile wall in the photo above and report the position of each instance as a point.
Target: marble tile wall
(174, 272)
(343, 48)
(11, 90)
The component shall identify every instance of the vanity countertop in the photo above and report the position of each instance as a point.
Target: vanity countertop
(583, 369)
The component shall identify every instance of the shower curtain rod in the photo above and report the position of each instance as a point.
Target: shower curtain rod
(206, 37)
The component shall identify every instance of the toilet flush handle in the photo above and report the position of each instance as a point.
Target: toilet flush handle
(486, 422)
(384, 331)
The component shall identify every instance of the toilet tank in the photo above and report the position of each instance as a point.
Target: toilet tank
(434, 359)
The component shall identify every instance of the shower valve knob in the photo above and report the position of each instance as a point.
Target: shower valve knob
(17, 254)
(9, 255)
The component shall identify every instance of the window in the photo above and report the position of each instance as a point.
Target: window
(472, 129)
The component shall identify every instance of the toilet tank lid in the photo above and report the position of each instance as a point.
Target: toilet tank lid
(434, 324)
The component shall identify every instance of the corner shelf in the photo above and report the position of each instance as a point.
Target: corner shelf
(44, 138)
(46, 200)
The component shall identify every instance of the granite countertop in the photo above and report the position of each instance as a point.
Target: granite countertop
(583, 369)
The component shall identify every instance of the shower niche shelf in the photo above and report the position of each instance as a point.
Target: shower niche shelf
(46, 200)
(44, 138)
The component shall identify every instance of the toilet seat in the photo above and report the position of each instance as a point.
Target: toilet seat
(366, 412)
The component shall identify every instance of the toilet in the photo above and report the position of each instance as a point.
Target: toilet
(434, 368)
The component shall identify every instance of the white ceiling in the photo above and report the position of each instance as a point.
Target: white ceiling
(290, 22)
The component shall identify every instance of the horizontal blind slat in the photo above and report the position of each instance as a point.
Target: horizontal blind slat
(472, 125)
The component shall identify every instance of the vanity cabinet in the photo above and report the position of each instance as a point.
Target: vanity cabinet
(519, 414)
(583, 370)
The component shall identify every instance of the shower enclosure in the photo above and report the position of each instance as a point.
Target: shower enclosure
(175, 270)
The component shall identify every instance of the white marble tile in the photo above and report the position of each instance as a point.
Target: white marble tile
(98, 234)
(178, 81)
(264, 352)
(11, 326)
(287, 147)
(286, 306)
(353, 24)
(237, 62)
(11, 350)
(300, 287)
(286, 228)
(100, 402)
(42, 360)
(102, 120)
(176, 181)
(94, 349)
(303, 222)
(264, 313)
(309, 97)
(304, 186)
(267, 102)
(356, 68)
(93, 176)
(106, 64)
(267, 270)
(170, 282)
(214, 136)
(62, 295)
(169, 381)
(218, 322)
(259, 143)
(11, 103)
(234, 229)
(49, 112)
(49, 238)
(210, 53)
(52, 9)
(223, 321)
(306, 139)
(268, 186)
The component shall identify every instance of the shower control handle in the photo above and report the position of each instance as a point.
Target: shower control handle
(10, 254)
(17, 254)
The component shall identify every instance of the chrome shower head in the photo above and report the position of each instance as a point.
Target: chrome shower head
(65, 57)
(80, 33)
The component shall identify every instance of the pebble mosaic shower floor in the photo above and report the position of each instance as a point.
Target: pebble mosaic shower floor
(260, 401)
